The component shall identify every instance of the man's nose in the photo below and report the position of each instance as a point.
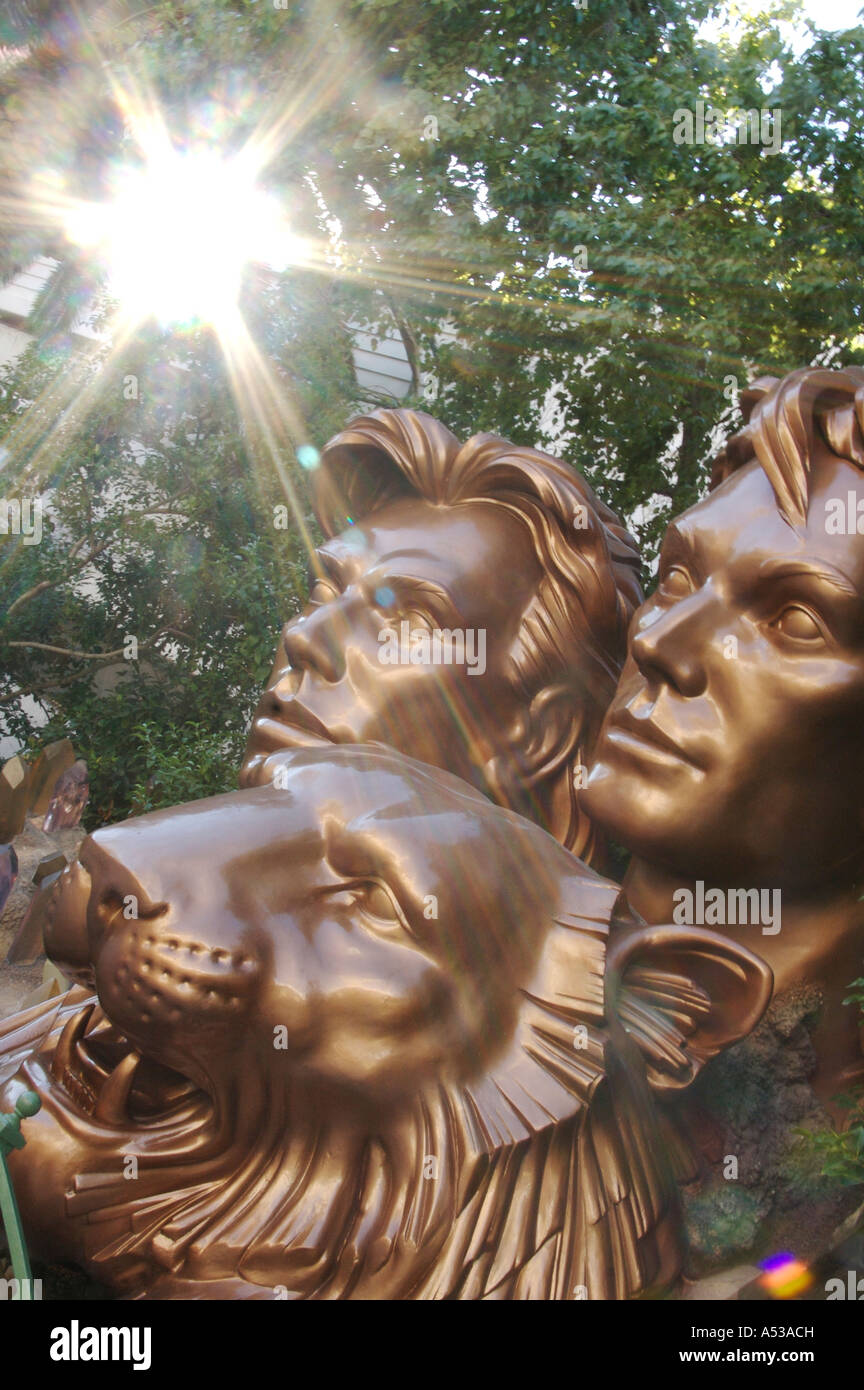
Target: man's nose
(669, 644)
(317, 642)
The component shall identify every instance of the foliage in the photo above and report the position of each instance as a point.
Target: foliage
(704, 263)
(840, 1153)
(452, 160)
(158, 528)
(168, 765)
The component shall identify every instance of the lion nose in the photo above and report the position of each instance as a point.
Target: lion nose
(115, 886)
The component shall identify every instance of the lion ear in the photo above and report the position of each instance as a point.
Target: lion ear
(684, 994)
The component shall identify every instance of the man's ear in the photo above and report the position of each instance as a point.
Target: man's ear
(684, 994)
(554, 732)
(543, 740)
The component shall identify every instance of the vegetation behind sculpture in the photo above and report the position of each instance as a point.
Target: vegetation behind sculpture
(640, 361)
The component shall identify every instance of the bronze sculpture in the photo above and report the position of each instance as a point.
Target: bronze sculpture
(487, 544)
(360, 1033)
(731, 759)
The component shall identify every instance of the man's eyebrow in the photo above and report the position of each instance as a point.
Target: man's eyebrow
(328, 561)
(818, 569)
(413, 584)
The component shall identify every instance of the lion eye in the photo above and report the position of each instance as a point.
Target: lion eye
(676, 583)
(380, 904)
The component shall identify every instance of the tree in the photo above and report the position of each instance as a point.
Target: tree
(502, 183)
(162, 570)
(637, 282)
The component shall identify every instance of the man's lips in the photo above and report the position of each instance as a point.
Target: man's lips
(297, 727)
(624, 726)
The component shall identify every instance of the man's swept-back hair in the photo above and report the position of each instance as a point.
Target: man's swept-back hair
(785, 417)
(574, 633)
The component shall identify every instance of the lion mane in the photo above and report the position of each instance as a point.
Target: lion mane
(545, 1178)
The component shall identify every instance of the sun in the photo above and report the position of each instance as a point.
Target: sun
(178, 233)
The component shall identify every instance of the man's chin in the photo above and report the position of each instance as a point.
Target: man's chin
(250, 772)
(268, 737)
(650, 820)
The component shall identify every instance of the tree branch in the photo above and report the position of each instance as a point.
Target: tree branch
(97, 656)
(82, 563)
(410, 342)
(38, 690)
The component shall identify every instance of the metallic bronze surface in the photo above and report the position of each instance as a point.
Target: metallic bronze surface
(360, 1033)
(502, 546)
(732, 754)
(15, 787)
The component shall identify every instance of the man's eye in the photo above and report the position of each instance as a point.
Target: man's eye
(797, 623)
(418, 619)
(322, 592)
(675, 583)
(385, 600)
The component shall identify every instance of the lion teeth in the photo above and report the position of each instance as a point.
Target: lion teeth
(111, 1105)
(64, 1052)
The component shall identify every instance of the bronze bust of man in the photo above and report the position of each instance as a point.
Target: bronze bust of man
(502, 552)
(731, 761)
(390, 1048)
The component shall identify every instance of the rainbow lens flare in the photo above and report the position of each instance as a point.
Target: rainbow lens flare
(784, 1276)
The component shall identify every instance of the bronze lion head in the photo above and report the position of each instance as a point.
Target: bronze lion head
(360, 1033)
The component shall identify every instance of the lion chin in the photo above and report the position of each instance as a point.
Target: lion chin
(359, 1033)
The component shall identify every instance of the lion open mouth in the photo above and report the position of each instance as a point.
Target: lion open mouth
(107, 1079)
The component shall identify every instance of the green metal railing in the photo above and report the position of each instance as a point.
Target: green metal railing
(11, 1138)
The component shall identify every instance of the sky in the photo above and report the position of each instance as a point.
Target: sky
(825, 14)
(833, 14)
